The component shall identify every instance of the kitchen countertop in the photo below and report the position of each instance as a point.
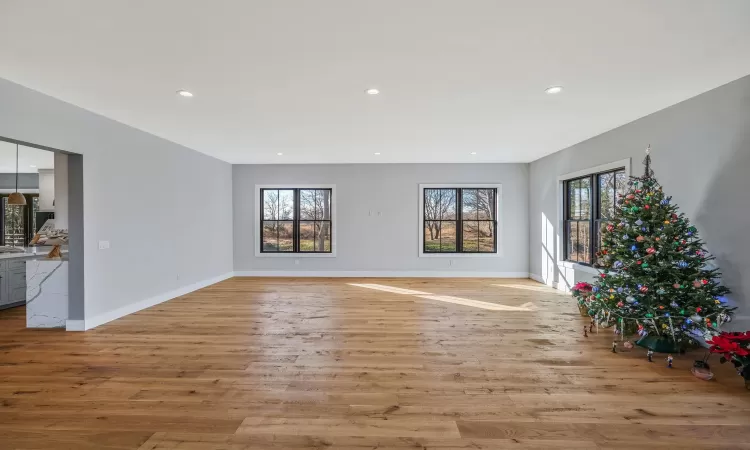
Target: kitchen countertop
(31, 253)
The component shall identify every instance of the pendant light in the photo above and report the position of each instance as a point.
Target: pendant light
(17, 198)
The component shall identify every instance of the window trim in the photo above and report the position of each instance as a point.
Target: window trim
(498, 220)
(561, 201)
(259, 253)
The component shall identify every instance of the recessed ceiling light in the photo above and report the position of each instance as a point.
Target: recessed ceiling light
(377, 153)
(553, 89)
(279, 154)
(372, 91)
(184, 93)
(473, 153)
(31, 165)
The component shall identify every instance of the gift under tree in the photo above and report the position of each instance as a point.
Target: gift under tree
(656, 277)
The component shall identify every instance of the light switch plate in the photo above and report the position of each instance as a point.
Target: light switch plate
(103, 245)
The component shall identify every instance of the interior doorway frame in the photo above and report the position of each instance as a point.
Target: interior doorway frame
(76, 274)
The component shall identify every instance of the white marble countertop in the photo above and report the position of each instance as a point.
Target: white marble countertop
(30, 253)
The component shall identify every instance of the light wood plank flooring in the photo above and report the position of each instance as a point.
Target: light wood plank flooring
(355, 364)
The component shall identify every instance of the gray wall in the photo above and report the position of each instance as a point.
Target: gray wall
(388, 242)
(166, 209)
(701, 155)
(25, 180)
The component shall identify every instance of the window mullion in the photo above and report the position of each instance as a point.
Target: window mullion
(459, 220)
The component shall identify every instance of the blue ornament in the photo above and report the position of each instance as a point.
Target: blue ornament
(634, 248)
(596, 289)
(690, 233)
(665, 201)
(635, 302)
(620, 290)
(682, 264)
(688, 321)
(674, 304)
(617, 264)
(640, 286)
(643, 228)
(666, 314)
(639, 222)
(625, 236)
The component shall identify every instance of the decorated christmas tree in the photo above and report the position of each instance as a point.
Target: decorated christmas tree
(656, 277)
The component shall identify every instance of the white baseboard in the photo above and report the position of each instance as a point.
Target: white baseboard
(93, 322)
(537, 278)
(75, 325)
(378, 274)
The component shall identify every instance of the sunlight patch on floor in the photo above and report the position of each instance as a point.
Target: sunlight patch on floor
(448, 299)
(545, 289)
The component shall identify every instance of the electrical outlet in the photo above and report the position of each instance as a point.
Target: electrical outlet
(103, 245)
(450, 262)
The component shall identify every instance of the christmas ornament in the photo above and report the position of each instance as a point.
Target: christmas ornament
(651, 250)
(640, 239)
(644, 289)
(630, 299)
(639, 222)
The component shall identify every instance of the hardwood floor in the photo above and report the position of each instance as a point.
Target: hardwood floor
(355, 364)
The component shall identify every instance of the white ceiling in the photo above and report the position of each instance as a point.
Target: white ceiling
(456, 76)
(27, 157)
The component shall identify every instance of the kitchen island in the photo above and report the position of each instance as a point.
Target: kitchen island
(30, 278)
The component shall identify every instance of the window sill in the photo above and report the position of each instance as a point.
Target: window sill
(579, 267)
(295, 255)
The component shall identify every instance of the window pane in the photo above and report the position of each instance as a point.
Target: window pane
(448, 236)
(431, 203)
(621, 183)
(584, 241)
(307, 236)
(574, 196)
(431, 236)
(469, 199)
(447, 210)
(270, 204)
(572, 241)
(486, 237)
(470, 236)
(607, 195)
(322, 237)
(306, 204)
(286, 205)
(585, 199)
(486, 204)
(286, 233)
(270, 242)
(323, 204)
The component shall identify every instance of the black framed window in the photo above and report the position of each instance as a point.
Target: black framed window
(460, 220)
(589, 203)
(296, 220)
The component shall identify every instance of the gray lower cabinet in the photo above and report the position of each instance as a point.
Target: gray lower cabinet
(12, 282)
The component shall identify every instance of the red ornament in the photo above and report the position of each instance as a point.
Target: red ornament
(651, 250)
(630, 197)
(661, 306)
(639, 262)
(698, 309)
(644, 289)
(657, 239)
(676, 286)
(603, 275)
(704, 281)
(638, 191)
(640, 239)
(646, 207)
(619, 304)
(610, 227)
